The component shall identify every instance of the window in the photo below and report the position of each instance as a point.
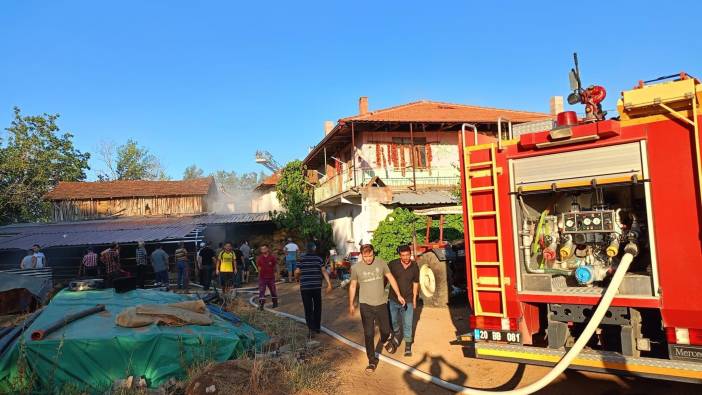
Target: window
(420, 150)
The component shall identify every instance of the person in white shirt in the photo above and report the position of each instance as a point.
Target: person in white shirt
(27, 261)
(291, 250)
(40, 260)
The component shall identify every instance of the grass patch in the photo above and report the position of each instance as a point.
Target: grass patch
(297, 371)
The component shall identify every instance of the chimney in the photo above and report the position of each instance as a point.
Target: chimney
(328, 126)
(363, 105)
(556, 105)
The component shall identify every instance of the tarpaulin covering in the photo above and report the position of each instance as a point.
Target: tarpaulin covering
(93, 352)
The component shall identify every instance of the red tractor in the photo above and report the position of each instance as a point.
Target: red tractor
(441, 263)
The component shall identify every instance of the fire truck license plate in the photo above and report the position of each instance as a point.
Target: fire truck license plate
(496, 336)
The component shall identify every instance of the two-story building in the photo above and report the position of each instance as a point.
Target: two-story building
(403, 156)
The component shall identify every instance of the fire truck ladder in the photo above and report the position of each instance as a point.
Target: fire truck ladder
(492, 284)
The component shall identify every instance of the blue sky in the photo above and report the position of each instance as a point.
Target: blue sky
(210, 82)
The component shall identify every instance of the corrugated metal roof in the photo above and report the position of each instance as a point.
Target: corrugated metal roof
(123, 230)
(423, 198)
(232, 218)
(440, 210)
(90, 236)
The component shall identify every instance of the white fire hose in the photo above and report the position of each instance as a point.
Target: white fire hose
(561, 366)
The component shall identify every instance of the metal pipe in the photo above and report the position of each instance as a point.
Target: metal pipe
(353, 153)
(40, 334)
(430, 222)
(473, 128)
(499, 131)
(414, 176)
(441, 228)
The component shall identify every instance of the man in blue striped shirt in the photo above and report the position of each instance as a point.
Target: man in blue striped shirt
(309, 272)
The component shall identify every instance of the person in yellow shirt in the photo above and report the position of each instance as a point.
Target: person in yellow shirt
(226, 266)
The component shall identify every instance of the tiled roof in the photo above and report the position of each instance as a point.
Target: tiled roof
(270, 181)
(125, 189)
(433, 111)
(424, 111)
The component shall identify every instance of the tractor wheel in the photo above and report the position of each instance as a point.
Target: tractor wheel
(434, 280)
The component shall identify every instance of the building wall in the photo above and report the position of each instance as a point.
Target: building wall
(354, 224)
(342, 218)
(380, 154)
(265, 202)
(444, 148)
(76, 210)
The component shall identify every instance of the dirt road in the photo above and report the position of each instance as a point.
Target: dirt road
(433, 354)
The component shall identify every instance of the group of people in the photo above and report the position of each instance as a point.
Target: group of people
(34, 259)
(394, 319)
(392, 313)
(230, 265)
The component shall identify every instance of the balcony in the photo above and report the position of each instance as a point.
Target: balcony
(438, 176)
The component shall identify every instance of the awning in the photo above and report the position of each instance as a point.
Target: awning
(445, 210)
(423, 198)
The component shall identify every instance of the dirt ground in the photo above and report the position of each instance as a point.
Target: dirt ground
(433, 354)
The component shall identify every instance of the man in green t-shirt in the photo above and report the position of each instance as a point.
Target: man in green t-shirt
(369, 275)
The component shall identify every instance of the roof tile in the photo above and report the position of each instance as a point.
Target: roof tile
(125, 189)
(434, 111)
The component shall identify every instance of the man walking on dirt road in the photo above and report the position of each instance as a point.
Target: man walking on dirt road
(368, 275)
(406, 273)
(309, 272)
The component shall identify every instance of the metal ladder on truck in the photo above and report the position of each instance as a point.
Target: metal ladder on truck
(483, 284)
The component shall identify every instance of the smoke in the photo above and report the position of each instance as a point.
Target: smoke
(240, 200)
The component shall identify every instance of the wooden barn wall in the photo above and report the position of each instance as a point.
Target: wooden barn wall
(76, 210)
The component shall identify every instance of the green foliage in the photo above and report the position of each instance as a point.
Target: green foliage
(192, 171)
(33, 159)
(129, 161)
(453, 227)
(137, 163)
(396, 229)
(399, 227)
(296, 197)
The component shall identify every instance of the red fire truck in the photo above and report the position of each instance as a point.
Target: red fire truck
(548, 216)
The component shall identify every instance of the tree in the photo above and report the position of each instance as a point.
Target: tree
(400, 226)
(33, 159)
(296, 197)
(130, 162)
(192, 171)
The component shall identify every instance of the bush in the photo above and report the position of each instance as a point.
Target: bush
(400, 225)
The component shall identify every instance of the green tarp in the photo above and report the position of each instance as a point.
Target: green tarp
(93, 352)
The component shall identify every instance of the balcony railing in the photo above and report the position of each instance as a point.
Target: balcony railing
(441, 176)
